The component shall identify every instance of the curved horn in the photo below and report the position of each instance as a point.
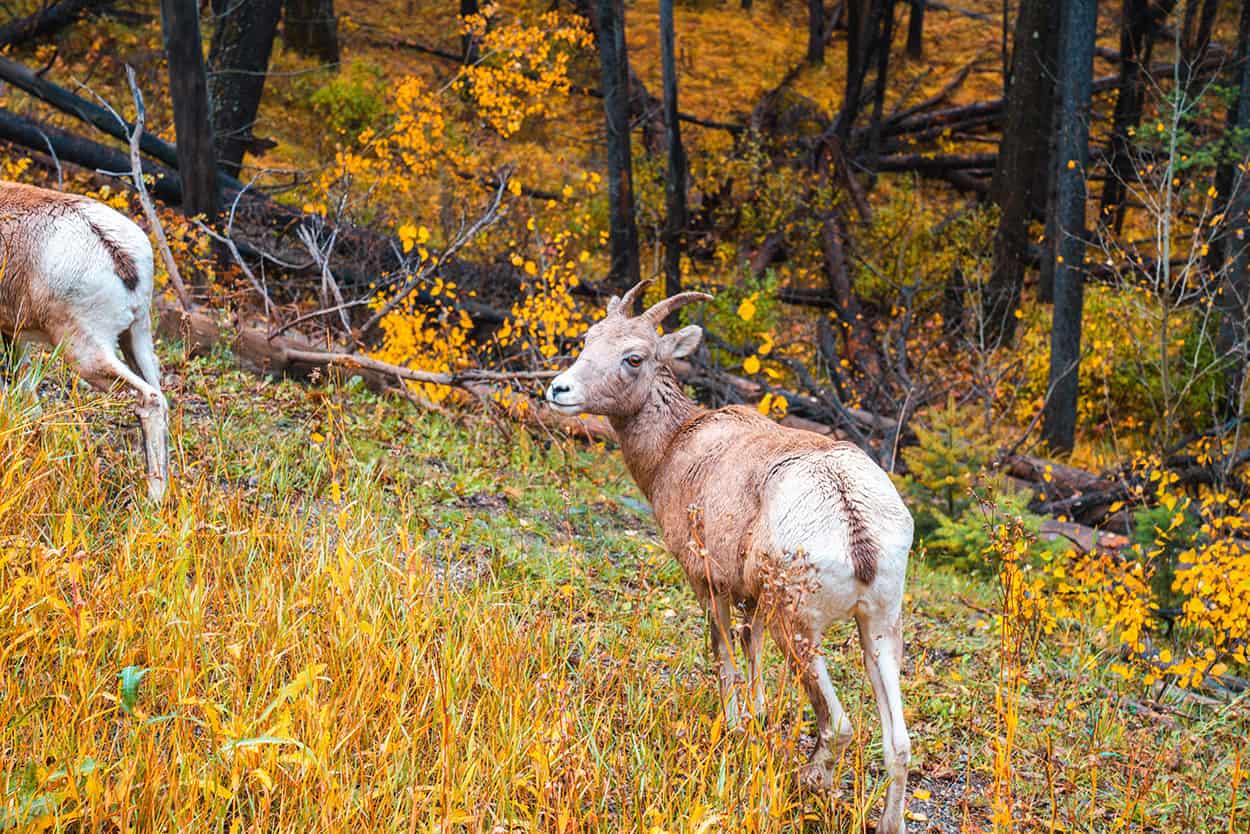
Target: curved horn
(623, 304)
(662, 309)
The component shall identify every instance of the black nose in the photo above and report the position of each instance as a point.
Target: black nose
(557, 390)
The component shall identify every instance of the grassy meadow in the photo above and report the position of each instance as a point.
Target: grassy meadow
(356, 615)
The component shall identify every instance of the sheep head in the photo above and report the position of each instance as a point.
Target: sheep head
(617, 367)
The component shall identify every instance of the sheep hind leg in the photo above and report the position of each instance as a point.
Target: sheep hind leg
(752, 644)
(882, 642)
(720, 626)
(833, 728)
(100, 366)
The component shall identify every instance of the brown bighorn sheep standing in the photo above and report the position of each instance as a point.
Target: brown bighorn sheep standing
(742, 500)
(73, 272)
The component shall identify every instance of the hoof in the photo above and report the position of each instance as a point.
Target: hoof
(816, 776)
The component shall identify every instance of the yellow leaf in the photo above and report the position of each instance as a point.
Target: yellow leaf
(922, 794)
(407, 237)
(751, 365)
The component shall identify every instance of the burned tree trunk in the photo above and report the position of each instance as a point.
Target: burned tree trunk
(675, 183)
(468, 43)
(1233, 339)
(188, 89)
(1135, 44)
(625, 270)
(915, 30)
(311, 28)
(884, 39)
(815, 32)
(1078, 32)
(239, 57)
(1025, 150)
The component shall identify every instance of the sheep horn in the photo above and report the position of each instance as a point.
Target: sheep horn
(622, 305)
(663, 308)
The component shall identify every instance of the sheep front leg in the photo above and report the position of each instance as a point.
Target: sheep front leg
(720, 624)
(154, 425)
(100, 366)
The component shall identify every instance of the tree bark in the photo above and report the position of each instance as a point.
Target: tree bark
(1078, 32)
(1233, 338)
(915, 30)
(1135, 43)
(675, 183)
(311, 28)
(188, 89)
(468, 43)
(1024, 149)
(815, 32)
(856, 67)
(239, 57)
(884, 39)
(625, 270)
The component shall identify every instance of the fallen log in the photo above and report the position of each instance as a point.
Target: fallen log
(1054, 479)
(1087, 539)
(68, 147)
(978, 111)
(937, 163)
(295, 357)
(26, 80)
(47, 20)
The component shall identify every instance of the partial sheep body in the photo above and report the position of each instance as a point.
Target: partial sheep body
(76, 273)
(796, 529)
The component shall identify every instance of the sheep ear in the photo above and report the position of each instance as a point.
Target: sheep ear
(614, 304)
(680, 344)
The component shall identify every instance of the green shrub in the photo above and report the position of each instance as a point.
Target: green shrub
(352, 100)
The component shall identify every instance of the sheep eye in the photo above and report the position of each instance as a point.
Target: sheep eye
(633, 360)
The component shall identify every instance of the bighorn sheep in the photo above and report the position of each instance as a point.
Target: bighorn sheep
(76, 273)
(747, 505)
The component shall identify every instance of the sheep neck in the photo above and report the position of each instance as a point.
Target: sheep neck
(646, 435)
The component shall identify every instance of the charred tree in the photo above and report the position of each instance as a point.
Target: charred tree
(915, 30)
(1233, 246)
(1136, 40)
(188, 89)
(1018, 187)
(675, 183)
(1078, 32)
(815, 32)
(239, 58)
(468, 43)
(869, 25)
(311, 28)
(885, 38)
(625, 270)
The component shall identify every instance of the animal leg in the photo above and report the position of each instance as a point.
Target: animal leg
(102, 369)
(15, 356)
(882, 641)
(720, 624)
(752, 643)
(140, 352)
(833, 727)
